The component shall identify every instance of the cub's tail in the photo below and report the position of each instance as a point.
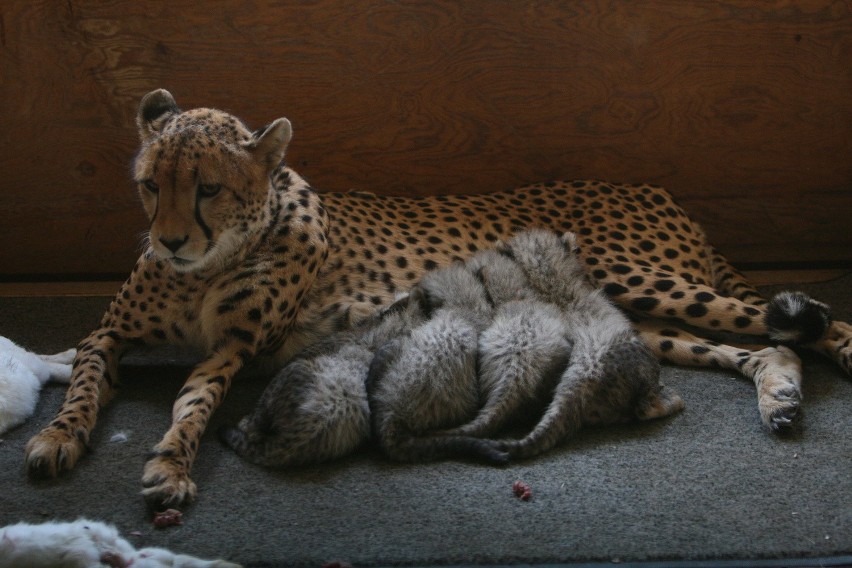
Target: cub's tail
(796, 318)
(401, 445)
(233, 438)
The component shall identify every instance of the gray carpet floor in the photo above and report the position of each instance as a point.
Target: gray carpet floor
(708, 484)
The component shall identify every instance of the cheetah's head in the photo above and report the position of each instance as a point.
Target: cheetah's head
(203, 179)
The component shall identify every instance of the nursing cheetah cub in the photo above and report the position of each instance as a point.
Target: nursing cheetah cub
(427, 379)
(317, 407)
(473, 348)
(552, 341)
(611, 375)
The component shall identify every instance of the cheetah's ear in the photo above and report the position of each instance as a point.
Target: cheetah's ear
(269, 143)
(154, 109)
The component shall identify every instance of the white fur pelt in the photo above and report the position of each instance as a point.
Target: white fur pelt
(85, 544)
(22, 374)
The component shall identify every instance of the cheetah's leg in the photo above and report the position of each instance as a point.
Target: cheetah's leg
(790, 317)
(776, 371)
(58, 446)
(836, 344)
(166, 480)
(730, 281)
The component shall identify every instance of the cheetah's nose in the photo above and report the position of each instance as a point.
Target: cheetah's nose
(174, 244)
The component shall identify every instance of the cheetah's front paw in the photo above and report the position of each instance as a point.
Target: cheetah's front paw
(53, 450)
(167, 484)
(778, 376)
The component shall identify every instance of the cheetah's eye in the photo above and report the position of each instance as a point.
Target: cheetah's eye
(151, 186)
(208, 189)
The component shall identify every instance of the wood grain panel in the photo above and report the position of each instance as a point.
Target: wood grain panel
(740, 108)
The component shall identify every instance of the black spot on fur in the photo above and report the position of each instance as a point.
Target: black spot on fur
(240, 334)
(644, 304)
(613, 289)
(696, 310)
(705, 297)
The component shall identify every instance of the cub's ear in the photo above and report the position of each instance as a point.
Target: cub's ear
(269, 143)
(569, 240)
(504, 249)
(154, 109)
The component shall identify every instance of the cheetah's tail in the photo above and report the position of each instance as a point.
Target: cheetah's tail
(796, 318)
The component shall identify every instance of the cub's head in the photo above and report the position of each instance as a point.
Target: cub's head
(548, 260)
(450, 288)
(503, 278)
(203, 178)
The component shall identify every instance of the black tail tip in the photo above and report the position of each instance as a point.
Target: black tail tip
(796, 318)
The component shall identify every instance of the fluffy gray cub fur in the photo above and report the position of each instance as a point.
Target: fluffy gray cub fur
(524, 321)
(315, 409)
(611, 375)
(427, 380)
(522, 352)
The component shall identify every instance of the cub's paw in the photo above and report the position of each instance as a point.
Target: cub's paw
(778, 378)
(53, 450)
(658, 404)
(167, 484)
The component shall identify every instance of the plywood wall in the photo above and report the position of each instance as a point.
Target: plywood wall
(742, 109)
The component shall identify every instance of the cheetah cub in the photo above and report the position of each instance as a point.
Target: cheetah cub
(611, 375)
(427, 380)
(315, 409)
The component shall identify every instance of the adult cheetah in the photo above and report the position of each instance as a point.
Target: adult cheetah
(244, 260)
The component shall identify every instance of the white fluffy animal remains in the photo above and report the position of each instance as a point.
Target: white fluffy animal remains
(85, 544)
(22, 374)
